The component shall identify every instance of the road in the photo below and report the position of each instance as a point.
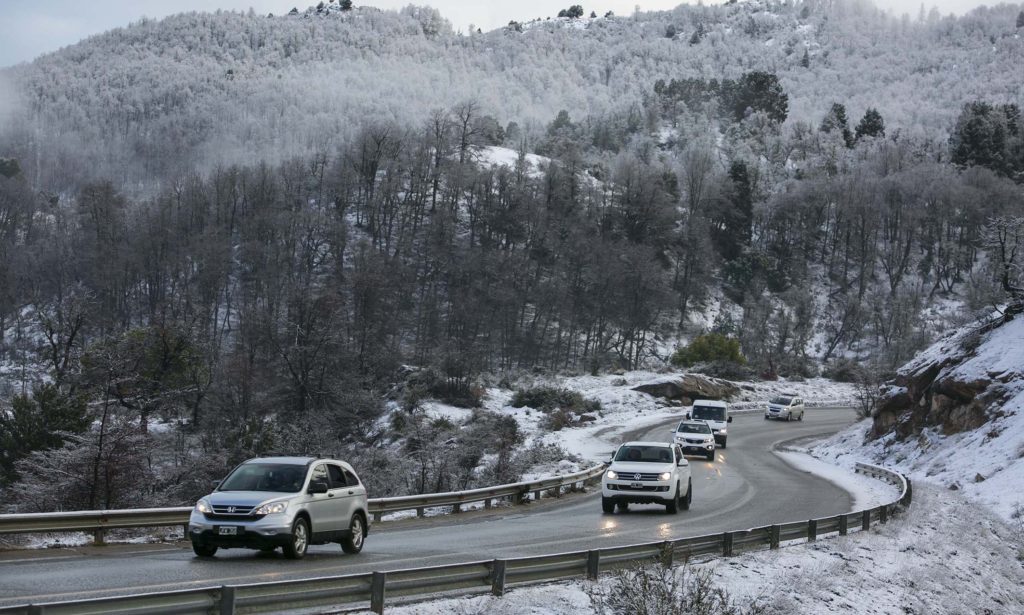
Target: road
(746, 486)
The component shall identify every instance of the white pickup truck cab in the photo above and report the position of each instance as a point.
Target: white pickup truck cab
(647, 473)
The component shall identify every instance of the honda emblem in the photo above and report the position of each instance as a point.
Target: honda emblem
(231, 509)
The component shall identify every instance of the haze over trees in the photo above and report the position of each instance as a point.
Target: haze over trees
(222, 233)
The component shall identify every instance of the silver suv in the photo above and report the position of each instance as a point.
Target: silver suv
(287, 502)
(788, 407)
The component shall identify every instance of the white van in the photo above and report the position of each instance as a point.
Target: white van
(716, 413)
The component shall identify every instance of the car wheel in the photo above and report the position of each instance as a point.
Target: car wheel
(607, 505)
(623, 506)
(689, 495)
(296, 548)
(710, 456)
(766, 417)
(801, 417)
(353, 543)
(672, 507)
(723, 443)
(204, 550)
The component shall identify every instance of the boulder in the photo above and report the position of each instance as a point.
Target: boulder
(691, 387)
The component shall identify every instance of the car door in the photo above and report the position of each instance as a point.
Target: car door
(344, 492)
(323, 507)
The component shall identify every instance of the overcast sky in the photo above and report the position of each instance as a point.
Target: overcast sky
(29, 28)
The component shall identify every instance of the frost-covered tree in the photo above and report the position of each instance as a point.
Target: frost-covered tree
(871, 125)
(835, 121)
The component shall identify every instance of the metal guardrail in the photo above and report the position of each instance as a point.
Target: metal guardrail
(494, 575)
(99, 521)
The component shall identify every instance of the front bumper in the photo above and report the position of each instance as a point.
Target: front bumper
(270, 531)
(696, 449)
(720, 438)
(651, 492)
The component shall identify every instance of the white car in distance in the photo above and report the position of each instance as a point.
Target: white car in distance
(647, 473)
(695, 438)
(716, 414)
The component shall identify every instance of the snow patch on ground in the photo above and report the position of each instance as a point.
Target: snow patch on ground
(494, 156)
(898, 568)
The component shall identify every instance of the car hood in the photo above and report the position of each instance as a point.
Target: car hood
(244, 498)
(628, 467)
(695, 436)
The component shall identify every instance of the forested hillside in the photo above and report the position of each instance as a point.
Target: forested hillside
(253, 229)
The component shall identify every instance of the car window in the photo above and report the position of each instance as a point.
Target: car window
(337, 477)
(351, 479)
(679, 453)
(284, 478)
(644, 454)
(320, 474)
(781, 401)
(708, 413)
(694, 428)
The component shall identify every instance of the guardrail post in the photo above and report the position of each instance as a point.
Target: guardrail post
(378, 517)
(812, 530)
(99, 537)
(227, 600)
(668, 552)
(456, 508)
(35, 609)
(865, 520)
(419, 511)
(844, 525)
(487, 504)
(184, 531)
(593, 564)
(498, 577)
(727, 544)
(883, 513)
(536, 495)
(773, 536)
(377, 583)
(910, 492)
(519, 498)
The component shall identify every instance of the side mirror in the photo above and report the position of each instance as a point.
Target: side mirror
(216, 484)
(729, 420)
(683, 462)
(317, 487)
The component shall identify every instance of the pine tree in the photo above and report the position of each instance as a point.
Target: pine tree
(871, 125)
(836, 121)
(346, 5)
(1020, 19)
(806, 61)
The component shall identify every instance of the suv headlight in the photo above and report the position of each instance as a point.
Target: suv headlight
(611, 474)
(203, 507)
(722, 431)
(272, 509)
(665, 476)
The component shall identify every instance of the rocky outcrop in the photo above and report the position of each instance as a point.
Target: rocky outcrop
(954, 386)
(689, 387)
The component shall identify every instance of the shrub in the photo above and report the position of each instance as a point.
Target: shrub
(725, 369)
(843, 370)
(666, 591)
(707, 348)
(549, 399)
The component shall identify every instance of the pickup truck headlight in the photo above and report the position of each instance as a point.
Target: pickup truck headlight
(611, 474)
(665, 476)
(203, 507)
(272, 509)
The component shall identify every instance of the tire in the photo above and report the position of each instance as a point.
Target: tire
(672, 507)
(724, 442)
(766, 417)
(789, 417)
(622, 506)
(296, 548)
(801, 417)
(202, 550)
(710, 456)
(689, 495)
(353, 543)
(607, 505)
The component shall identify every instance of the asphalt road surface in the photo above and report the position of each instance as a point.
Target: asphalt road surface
(745, 486)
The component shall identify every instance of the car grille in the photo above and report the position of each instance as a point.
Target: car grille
(231, 513)
(689, 441)
(638, 476)
(642, 488)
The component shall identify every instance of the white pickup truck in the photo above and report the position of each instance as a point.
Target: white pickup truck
(647, 473)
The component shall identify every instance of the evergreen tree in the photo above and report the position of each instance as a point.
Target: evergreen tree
(836, 121)
(871, 125)
(806, 61)
(346, 5)
(753, 92)
(1020, 19)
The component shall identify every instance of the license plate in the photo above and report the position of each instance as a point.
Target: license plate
(636, 485)
(229, 530)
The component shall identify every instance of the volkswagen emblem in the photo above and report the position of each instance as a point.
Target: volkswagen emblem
(231, 509)
(636, 477)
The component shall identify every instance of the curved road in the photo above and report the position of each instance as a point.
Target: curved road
(746, 486)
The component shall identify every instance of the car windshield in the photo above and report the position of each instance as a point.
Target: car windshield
(694, 428)
(281, 478)
(708, 413)
(644, 454)
(781, 401)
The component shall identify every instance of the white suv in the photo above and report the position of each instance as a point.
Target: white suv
(789, 407)
(695, 437)
(287, 502)
(647, 473)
